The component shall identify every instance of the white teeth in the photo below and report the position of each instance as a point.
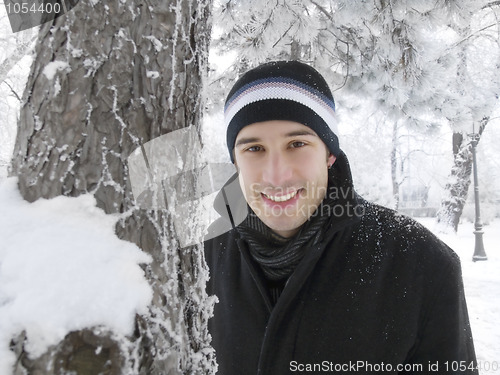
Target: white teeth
(282, 198)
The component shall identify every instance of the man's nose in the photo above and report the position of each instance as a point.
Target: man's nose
(277, 169)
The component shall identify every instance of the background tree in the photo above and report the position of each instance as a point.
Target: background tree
(108, 77)
(13, 49)
(477, 85)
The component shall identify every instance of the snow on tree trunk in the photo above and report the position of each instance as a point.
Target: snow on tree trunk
(459, 181)
(394, 165)
(108, 77)
(458, 185)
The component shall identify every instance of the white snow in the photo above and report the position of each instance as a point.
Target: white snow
(156, 42)
(62, 268)
(482, 288)
(53, 67)
(152, 74)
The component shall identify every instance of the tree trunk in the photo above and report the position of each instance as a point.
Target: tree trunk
(394, 165)
(108, 77)
(457, 188)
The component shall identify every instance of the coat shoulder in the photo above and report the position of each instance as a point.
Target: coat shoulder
(404, 236)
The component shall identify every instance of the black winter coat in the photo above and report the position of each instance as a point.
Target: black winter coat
(378, 293)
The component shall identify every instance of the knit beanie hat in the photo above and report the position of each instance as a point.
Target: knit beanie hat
(282, 90)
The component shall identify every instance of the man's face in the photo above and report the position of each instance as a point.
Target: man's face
(283, 172)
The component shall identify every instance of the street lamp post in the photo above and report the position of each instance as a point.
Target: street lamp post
(479, 253)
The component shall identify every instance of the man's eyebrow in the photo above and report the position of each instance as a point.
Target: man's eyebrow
(295, 133)
(300, 133)
(244, 141)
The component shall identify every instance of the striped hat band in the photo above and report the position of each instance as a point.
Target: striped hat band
(284, 89)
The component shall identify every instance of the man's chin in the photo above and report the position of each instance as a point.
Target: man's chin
(280, 227)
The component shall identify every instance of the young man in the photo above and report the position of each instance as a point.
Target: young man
(310, 277)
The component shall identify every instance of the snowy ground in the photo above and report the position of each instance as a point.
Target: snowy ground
(62, 269)
(482, 288)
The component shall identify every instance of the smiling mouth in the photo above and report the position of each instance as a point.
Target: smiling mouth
(281, 198)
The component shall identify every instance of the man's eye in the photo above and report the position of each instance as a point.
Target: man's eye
(297, 144)
(254, 148)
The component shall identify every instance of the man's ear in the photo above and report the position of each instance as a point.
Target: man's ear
(234, 161)
(331, 159)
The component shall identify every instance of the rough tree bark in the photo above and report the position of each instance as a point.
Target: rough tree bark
(457, 188)
(108, 77)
